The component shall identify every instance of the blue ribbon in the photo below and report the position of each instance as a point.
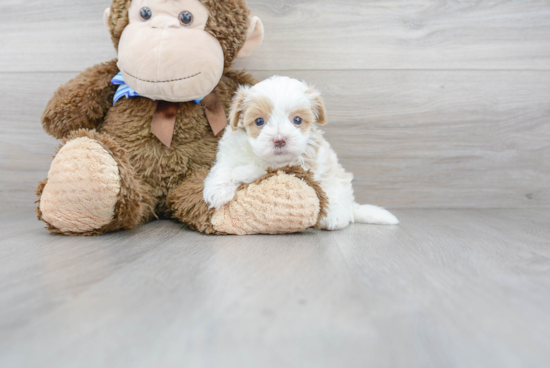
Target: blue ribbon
(125, 90)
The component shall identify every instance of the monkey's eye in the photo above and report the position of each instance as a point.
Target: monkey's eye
(186, 18)
(260, 122)
(145, 13)
(298, 120)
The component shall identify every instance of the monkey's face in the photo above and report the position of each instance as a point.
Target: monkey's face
(165, 52)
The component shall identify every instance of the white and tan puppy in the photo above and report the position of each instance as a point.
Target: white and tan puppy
(274, 124)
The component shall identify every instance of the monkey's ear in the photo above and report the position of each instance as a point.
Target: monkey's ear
(107, 19)
(318, 106)
(254, 38)
(237, 108)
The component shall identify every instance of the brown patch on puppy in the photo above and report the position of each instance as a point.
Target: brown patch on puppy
(308, 118)
(318, 106)
(260, 107)
(237, 108)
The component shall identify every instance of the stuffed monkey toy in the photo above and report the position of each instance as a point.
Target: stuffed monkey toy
(140, 133)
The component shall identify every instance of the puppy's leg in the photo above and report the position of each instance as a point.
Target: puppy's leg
(247, 174)
(219, 188)
(337, 218)
(340, 197)
(369, 214)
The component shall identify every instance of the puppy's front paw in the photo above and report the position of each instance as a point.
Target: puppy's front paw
(221, 196)
(335, 221)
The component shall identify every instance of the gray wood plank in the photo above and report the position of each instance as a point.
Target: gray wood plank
(452, 288)
(64, 35)
(430, 139)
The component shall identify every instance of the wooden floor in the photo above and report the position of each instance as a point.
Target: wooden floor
(446, 288)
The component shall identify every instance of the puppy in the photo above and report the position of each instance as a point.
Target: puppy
(274, 124)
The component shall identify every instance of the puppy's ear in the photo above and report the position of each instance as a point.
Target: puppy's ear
(237, 107)
(318, 106)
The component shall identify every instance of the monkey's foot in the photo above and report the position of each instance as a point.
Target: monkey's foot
(90, 189)
(279, 203)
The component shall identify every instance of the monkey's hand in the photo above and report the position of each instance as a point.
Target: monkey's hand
(81, 103)
(286, 200)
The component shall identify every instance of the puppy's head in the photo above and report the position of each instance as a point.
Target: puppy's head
(278, 115)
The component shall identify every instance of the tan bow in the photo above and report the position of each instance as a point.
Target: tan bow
(164, 119)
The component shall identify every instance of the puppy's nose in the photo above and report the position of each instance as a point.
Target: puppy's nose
(279, 142)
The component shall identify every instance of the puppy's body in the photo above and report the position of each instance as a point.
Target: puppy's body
(273, 124)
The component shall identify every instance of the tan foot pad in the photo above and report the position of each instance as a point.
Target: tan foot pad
(82, 188)
(279, 205)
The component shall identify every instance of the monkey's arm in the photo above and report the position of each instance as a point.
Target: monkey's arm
(286, 200)
(82, 102)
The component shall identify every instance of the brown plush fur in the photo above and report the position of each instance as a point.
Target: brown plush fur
(188, 206)
(193, 145)
(81, 103)
(156, 181)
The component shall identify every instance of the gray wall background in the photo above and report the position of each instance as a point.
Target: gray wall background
(432, 103)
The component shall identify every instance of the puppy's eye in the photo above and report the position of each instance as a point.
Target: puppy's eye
(260, 122)
(298, 120)
(145, 13)
(186, 18)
